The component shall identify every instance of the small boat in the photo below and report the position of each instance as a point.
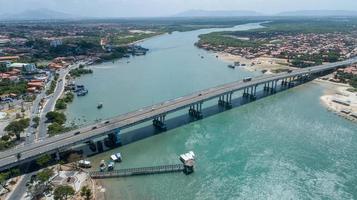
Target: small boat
(111, 166)
(232, 66)
(114, 158)
(102, 166)
(100, 105)
(118, 155)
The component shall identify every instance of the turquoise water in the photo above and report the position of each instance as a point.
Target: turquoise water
(286, 146)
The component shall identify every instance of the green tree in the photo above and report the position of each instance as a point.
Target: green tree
(4, 176)
(63, 192)
(36, 120)
(86, 193)
(60, 104)
(17, 127)
(55, 128)
(44, 175)
(57, 117)
(43, 160)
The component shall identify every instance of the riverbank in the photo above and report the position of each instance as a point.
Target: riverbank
(338, 99)
(267, 65)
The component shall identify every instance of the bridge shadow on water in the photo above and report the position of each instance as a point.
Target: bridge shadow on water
(138, 133)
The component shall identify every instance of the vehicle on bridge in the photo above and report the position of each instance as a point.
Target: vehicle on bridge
(247, 79)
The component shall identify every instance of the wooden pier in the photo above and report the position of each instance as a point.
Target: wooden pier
(138, 171)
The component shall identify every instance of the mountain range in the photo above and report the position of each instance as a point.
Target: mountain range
(37, 14)
(41, 14)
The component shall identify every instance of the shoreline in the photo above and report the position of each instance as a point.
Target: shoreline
(262, 63)
(338, 91)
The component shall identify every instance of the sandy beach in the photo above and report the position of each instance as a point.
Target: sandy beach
(339, 91)
(256, 64)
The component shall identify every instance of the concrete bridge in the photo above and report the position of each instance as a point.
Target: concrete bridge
(157, 113)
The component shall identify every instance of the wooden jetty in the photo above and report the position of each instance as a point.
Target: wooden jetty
(138, 171)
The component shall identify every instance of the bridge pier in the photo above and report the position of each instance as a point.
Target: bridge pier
(270, 89)
(195, 111)
(250, 94)
(114, 138)
(226, 100)
(58, 158)
(159, 122)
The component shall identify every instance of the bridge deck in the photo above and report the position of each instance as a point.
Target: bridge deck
(137, 171)
(9, 157)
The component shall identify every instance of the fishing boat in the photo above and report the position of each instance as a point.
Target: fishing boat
(116, 157)
(102, 166)
(231, 66)
(111, 166)
(100, 105)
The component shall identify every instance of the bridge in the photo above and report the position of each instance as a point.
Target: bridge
(158, 112)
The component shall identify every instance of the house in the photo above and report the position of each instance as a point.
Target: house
(26, 67)
(56, 42)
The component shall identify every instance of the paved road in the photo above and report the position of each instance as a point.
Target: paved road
(7, 158)
(50, 105)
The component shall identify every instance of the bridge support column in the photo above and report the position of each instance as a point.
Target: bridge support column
(58, 158)
(159, 122)
(195, 110)
(226, 100)
(114, 138)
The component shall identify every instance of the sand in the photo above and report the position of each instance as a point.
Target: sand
(338, 91)
(256, 64)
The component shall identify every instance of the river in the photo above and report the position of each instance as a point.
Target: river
(286, 146)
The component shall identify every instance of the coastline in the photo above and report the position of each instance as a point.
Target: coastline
(338, 91)
(262, 63)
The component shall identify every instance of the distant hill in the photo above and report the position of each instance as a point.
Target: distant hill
(217, 13)
(319, 13)
(37, 14)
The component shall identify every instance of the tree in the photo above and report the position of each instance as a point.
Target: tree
(3, 179)
(17, 127)
(44, 175)
(54, 116)
(60, 104)
(55, 128)
(36, 120)
(63, 192)
(43, 160)
(86, 193)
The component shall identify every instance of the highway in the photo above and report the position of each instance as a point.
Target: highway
(9, 157)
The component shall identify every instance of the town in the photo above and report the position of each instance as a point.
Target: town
(43, 64)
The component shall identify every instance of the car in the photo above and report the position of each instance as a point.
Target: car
(94, 127)
(199, 94)
(289, 71)
(107, 122)
(77, 133)
(247, 79)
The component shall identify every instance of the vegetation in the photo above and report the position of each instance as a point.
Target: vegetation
(86, 193)
(44, 175)
(36, 121)
(17, 127)
(7, 86)
(56, 117)
(43, 160)
(223, 38)
(77, 72)
(56, 128)
(52, 87)
(41, 184)
(60, 104)
(348, 78)
(63, 192)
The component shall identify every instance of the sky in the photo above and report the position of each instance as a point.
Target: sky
(155, 8)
